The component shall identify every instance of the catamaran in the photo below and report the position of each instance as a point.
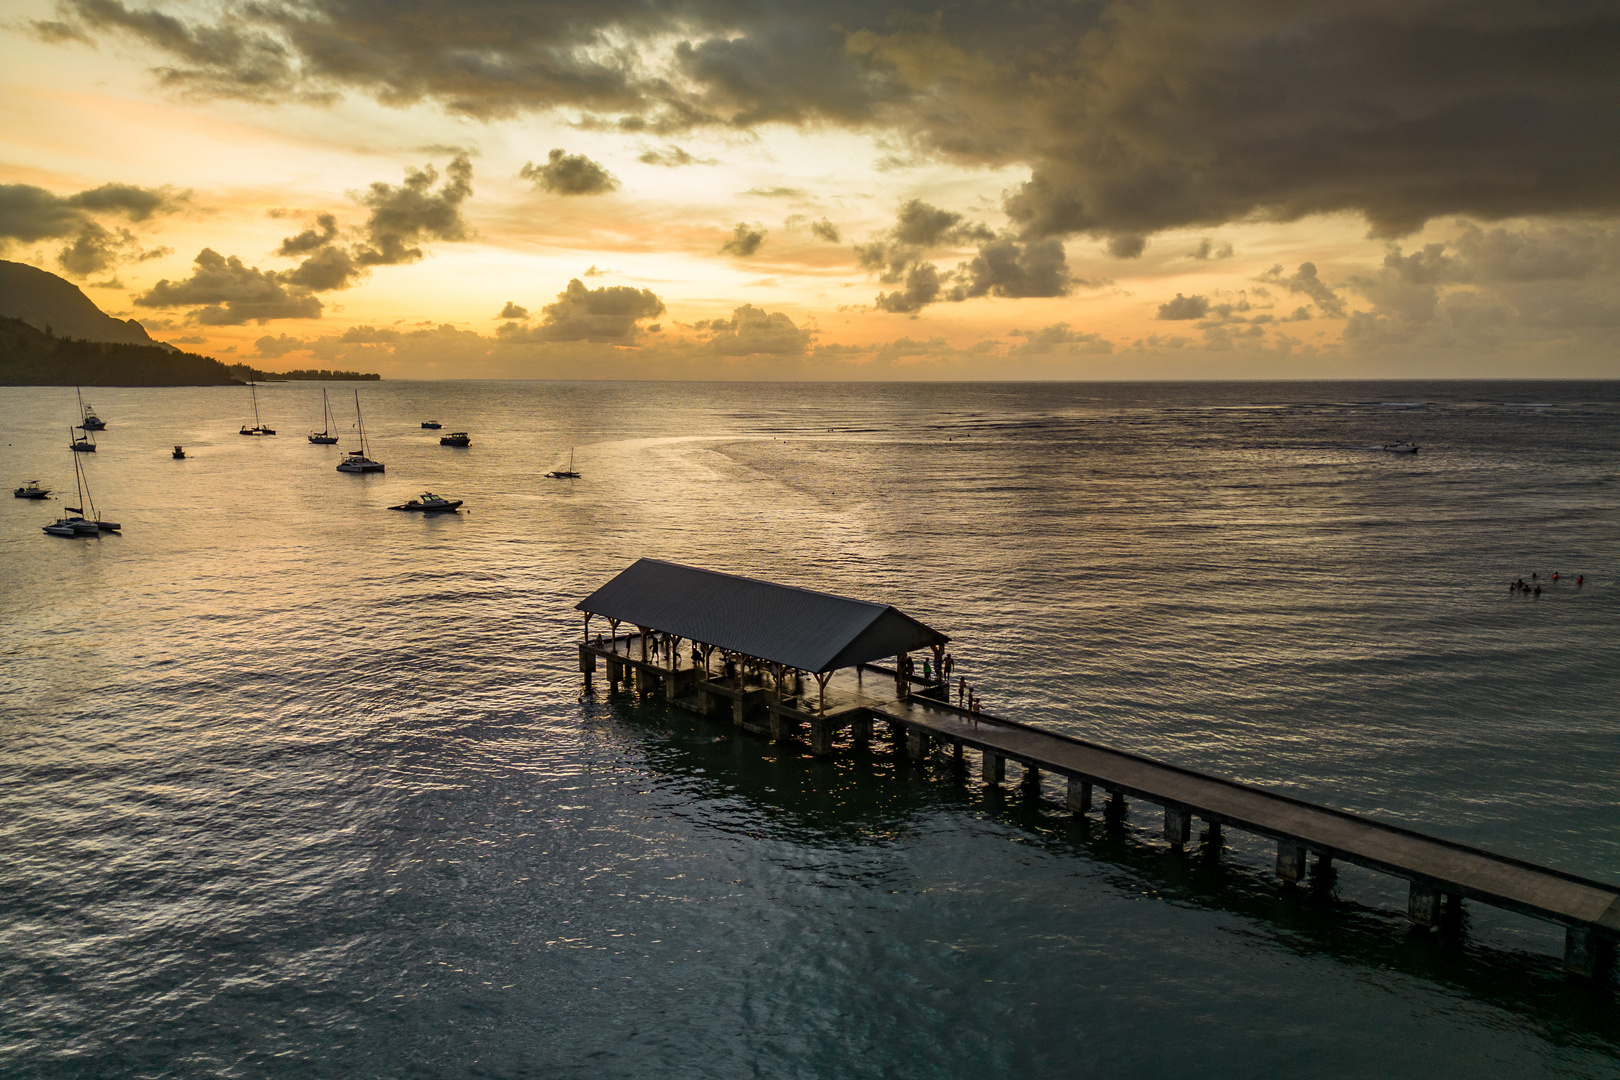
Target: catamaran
(357, 461)
(80, 525)
(324, 437)
(258, 427)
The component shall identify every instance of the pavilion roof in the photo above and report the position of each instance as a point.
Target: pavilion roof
(783, 624)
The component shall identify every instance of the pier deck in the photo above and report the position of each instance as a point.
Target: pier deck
(1440, 872)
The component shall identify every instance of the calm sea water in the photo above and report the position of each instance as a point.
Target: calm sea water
(291, 785)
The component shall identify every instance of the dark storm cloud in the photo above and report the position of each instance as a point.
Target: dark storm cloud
(569, 174)
(1005, 267)
(609, 314)
(226, 292)
(745, 240)
(1133, 117)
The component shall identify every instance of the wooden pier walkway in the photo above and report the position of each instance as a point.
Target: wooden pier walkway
(1441, 872)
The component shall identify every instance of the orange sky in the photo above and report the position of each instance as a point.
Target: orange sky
(88, 105)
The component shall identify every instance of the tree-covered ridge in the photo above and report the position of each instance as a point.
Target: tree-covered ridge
(30, 357)
(245, 372)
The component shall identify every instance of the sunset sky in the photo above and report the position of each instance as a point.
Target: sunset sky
(709, 189)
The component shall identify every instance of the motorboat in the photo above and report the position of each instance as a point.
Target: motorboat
(428, 503)
(87, 414)
(433, 424)
(179, 453)
(455, 438)
(359, 461)
(1399, 448)
(31, 490)
(85, 443)
(565, 474)
(258, 427)
(324, 437)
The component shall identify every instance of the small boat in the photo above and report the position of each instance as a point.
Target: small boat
(428, 503)
(455, 438)
(179, 453)
(1399, 448)
(324, 437)
(88, 418)
(31, 490)
(358, 461)
(565, 474)
(434, 424)
(258, 427)
(85, 443)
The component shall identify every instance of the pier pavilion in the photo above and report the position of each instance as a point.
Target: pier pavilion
(769, 637)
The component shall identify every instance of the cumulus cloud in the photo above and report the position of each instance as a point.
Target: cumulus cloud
(1006, 267)
(611, 313)
(513, 311)
(922, 287)
(1059, 338)
(569, 174)
(1304, 280)
(1398, 113)
(270, 346)
(325, 231)
(745, 240)
(672, 157)
(29, 214)
(226, 292)
(752, 330)
(405, 215)
(1207, 249)
(1184, 307)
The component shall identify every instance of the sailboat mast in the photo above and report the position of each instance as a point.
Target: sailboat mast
(360, 422)
(255, 391)
(78, 477)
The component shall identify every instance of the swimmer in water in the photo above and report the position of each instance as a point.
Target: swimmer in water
(1580, 579)
(1538, 590)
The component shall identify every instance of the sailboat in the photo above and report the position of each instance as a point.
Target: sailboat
(80, 525)
(84, 443)
(324, 437)
(258, 427)
(357, 461)
(89, 420)
(565, 474)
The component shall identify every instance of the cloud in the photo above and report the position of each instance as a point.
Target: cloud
(776, 192)
(404, 216)
(1005, 267)
(826, 230)
(1059, 338)
(95, 249)
(29, 213)
(225, 292)
(672, 157)
(1184, 307)
(922, 287)
(513, 311)
(269, 346)
(311, 239)
(569, 174)
(1304, 280)
(608, 314)
(1206, 249)
(752, 330)
(745, 240)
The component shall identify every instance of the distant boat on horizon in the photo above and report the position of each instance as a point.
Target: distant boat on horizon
(434, 424)
(359, 461)
(1399, 448)
(324, 437)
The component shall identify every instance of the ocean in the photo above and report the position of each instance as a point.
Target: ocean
(294, 785)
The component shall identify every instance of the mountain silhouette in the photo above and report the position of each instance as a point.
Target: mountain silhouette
(47, 302)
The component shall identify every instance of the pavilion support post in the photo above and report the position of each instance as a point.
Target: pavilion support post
(956, 751)
(1290, 860)
(1212, 832)
(1423, 904)
(780, 725)
(613, 625)
(1032, 780)
(587, 664)
(1585, 953)
(902, 685)
(1177, 826)
(861, 728)
(737, 710)
(675, 651)
(587, 628)
(1079, 795)
(644, 633)
(1117, 808)
(993, 768)
(821, 736)
(917, 743)
(821, 691)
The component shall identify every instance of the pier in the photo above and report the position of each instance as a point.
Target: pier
(797, 664)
